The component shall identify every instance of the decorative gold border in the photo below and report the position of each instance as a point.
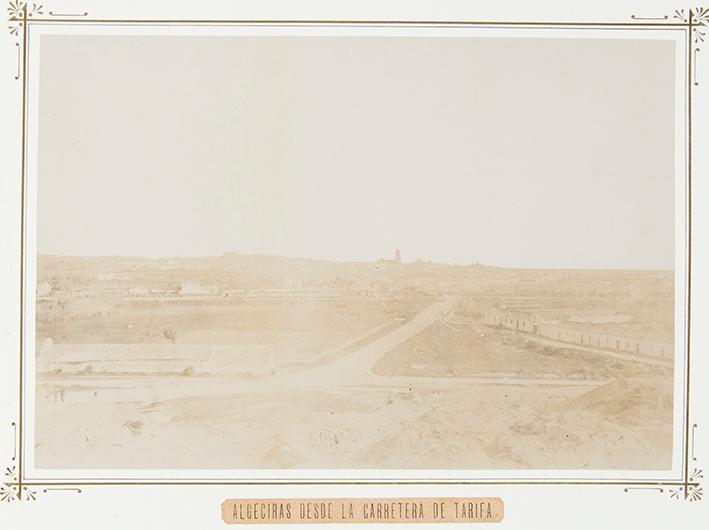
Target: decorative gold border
(693, 21)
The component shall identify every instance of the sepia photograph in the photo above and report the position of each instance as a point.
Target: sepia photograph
(355, 252)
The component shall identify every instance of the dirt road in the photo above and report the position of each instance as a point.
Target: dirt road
(351, 370)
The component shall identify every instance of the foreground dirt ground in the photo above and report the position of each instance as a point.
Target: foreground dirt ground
(398, 422)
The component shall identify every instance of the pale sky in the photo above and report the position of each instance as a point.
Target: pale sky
(511, 152)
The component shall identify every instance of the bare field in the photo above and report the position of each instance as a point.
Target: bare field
(500, 352)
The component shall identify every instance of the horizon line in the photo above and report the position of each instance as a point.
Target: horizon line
(226, 254)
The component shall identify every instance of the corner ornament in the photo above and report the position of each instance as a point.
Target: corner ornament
(16, 14)
(12, 488)
(691, 491)
(696, 20)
